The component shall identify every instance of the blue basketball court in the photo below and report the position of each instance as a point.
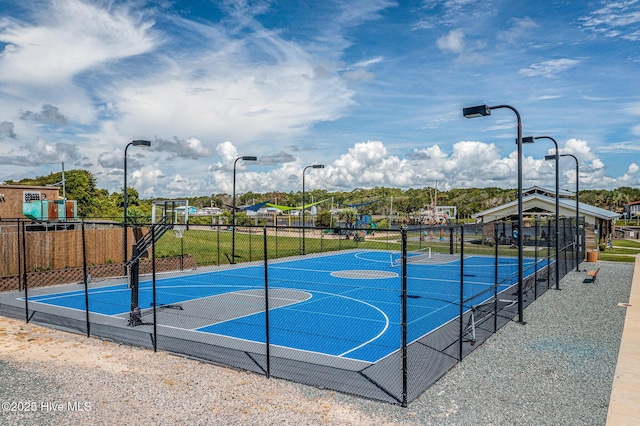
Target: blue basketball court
(345, 305)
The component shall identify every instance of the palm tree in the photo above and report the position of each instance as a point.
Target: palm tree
(348, 216)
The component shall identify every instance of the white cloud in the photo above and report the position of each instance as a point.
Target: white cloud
(632, 108)
(71, 36)
(358, 11)
(631, 177)
(359, 74)
(192, 148)
(146, 180)
(548, 97)
(49, 114)
(549, 69)
(177, 186)
(39, 153)
(7, 130)
(87, 77)
(579, 148)
(46, 55)
(452, 42)
(368, 62)
(358, 71)
(220, 175)
(521, 27)
(369, 164)
(349, 167)
(474, 162)
(613, 19)
(224, 93)
(112, 159)
(228, 152)
(622, 147)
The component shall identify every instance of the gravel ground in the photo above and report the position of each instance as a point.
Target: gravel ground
(558, 368)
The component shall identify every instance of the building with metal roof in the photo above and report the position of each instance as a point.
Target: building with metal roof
(632, 210)
(540, 202)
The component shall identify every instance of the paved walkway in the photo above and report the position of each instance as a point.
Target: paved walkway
(624, 406)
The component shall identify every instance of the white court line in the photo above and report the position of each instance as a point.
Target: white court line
(253, 313)
(245, 288)
(301, 269)
(293, 305)
(384, 329)
(43, 300)
(357, 256)
(55, 296)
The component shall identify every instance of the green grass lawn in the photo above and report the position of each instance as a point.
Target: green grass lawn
(215, 246)
(622, 251)
(627, 243)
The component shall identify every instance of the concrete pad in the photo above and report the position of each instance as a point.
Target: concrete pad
(624, 405)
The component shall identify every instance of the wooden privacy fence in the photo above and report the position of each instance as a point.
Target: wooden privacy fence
(46, 251)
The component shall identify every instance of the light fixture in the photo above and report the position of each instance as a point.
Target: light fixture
(134, 278)
(483, 111)
(555, 157)
(233, 224)
(138, 142)
(477, 111)
(577, 231)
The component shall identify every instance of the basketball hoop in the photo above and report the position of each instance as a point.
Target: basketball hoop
(178, 230)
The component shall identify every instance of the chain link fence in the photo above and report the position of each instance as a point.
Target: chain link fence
(377, 313)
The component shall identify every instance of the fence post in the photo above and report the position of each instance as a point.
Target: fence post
(20, 254)
(574, 245)
(134, 277)
(181, 245)
(461, 293)
(404, 318)
(549, 254)
(266, 302)
(564, 243)
(535, 261)
(24, 270)
(86, 278)
(495, 283)
(153, 284)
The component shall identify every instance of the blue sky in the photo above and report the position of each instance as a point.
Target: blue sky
(372, 89)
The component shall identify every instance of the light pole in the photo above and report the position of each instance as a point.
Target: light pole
(124, 195)
(315, 166)
(483, 111)
(551, 157)
(233, 224)
(547, 158)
